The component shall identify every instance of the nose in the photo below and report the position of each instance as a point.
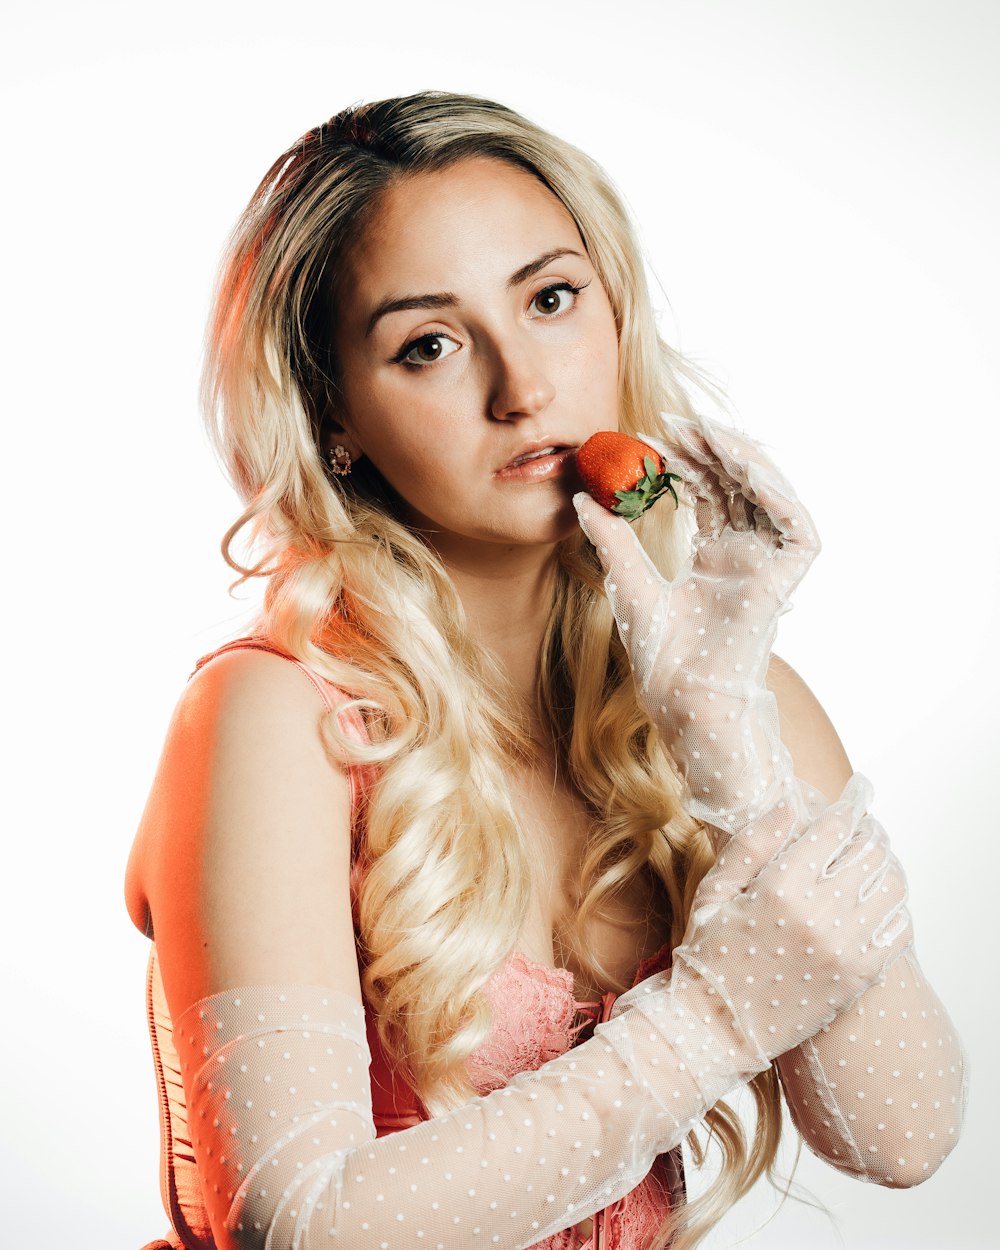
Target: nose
(521, 386)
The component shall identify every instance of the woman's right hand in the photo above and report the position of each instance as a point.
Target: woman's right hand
(699, 645)
(760, 970)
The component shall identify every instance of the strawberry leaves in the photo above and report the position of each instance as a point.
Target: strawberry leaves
(633, 503)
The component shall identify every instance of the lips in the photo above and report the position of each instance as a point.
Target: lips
(533, 451)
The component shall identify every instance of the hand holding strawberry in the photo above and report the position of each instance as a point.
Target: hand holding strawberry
(699, 645)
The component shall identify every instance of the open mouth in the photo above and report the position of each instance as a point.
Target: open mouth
(538, 453)
(542, 462)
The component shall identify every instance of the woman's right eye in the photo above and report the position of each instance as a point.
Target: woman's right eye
(425, 350)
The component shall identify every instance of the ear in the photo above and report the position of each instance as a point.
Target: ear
(333, 433)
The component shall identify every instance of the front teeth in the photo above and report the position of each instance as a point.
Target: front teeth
(545, 451)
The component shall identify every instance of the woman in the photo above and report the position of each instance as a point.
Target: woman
(456, 941)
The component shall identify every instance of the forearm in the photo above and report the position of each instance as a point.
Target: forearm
(880, 1092)
(286, 1147)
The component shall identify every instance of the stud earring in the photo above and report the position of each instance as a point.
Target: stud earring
(340, 461)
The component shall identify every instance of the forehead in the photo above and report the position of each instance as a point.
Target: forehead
(475, 222)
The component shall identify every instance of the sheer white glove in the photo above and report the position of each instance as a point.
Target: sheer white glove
(761, 970)
(699, 646)
(278, 1100)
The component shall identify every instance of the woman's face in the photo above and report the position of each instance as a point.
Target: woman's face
(462, 343)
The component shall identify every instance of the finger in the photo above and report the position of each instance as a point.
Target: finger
(762, 483)
(736, 865)
(741, 858)
(719, 449)
(750, 850)
(866, 842)
(636, 590)
(895, 931)
(689, 441)
(709, 495)
(736, 531)
(717, 498)
(741, 464)
(776, 500)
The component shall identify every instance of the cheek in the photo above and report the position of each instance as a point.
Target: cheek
(612, 357)
(604, 336)
(603, 360)
(372, 416)
(411, 461)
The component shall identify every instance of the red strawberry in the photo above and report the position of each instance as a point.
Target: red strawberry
(622, 474)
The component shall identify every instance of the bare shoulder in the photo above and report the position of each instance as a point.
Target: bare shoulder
(249, 694)
(807, 731)
(242, 858)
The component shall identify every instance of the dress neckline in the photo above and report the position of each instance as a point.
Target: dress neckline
(557, 973)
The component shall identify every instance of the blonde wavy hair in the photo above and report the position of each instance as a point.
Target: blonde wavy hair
(357, 595)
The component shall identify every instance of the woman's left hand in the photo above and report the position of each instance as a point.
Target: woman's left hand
(699, 645)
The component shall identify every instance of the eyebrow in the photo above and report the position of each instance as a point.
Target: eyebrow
(447, 299)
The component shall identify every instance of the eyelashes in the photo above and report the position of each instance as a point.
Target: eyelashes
(424, 340)
(560, 286)
(433, 342)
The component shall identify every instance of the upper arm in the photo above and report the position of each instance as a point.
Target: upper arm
(245, 844)
(816, 750)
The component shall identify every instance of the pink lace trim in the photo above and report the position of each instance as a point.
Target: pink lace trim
(533, 1009)
(533, 1021)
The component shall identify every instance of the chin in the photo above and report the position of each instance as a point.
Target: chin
(561, 524)
(530, 525)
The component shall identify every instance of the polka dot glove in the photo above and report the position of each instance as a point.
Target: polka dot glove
(278, 1100)
(760, 970)
(879, 1092)
(699, 645)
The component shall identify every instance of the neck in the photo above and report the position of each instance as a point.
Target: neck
(507, 600)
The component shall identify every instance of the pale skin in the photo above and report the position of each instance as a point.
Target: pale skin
(242, 858)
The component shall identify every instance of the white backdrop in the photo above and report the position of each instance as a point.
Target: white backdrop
(818, 189)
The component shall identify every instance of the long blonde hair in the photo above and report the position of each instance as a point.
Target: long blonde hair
(356, 594)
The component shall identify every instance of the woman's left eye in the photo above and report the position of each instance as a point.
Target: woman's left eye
(552, 300)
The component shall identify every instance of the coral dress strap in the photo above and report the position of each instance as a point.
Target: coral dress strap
(253, 643)
(352, 723)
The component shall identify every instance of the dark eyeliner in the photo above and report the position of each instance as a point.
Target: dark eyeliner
(561, 286)
(404, 351)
